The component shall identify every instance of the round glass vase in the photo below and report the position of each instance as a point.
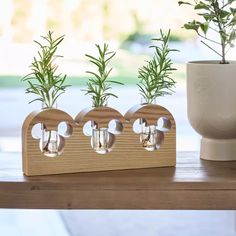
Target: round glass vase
(49, 139)
(149, 133)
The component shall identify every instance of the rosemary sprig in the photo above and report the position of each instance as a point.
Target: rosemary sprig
(44, 81)
(98, 87)
(155, 76)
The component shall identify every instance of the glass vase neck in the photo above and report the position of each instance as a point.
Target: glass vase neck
(45, 106)
(104, 105)
(144, 101)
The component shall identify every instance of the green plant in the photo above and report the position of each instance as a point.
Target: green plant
(44, 81)
(98, 87)
(155, 76)
(218, 16)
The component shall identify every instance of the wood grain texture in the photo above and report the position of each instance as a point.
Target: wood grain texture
(78, 156)
(193, 184)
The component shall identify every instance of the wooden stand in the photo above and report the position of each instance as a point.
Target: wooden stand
(77, 154)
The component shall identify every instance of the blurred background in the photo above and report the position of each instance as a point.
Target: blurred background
(128, 26)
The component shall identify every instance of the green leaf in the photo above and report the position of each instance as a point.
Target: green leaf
(192, 26)
(183, 3)
(207, 16)
(232, 37)
(93, 58)
(201, 5)
(204, 27)
(115, 82)
(224, 13)
(233, 10)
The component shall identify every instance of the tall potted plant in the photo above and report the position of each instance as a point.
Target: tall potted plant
(211, 85)
(47, 85)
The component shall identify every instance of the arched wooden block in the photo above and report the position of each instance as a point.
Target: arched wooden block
(78, 156)
(151, 113)
(34, 162)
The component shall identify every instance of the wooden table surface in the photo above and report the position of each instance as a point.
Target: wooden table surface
(193, 184)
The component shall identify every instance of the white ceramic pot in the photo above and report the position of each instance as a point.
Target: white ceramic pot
(211, 98)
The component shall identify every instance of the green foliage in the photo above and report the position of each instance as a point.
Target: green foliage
(144, 39)
(155, 76)
(99, 85)
(218, 16)
(138, 37)
(44, 81)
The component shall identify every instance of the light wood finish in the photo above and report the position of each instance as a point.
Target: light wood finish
(78, 156)
(34, 161)
(193, 184)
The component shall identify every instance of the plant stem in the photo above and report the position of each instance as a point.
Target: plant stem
(45, 148)
(223, 53)
(213, 41)
(216, 9)
(211, 48)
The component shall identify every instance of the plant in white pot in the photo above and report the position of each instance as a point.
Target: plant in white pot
(211, 85)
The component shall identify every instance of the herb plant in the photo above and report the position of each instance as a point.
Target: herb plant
(99, 86)
(218, 16)
(155, 76)
(44, 81)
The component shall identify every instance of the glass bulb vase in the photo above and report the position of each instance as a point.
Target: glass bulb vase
(100, 140)
(149, 137)
(49, 142)
(50, 139)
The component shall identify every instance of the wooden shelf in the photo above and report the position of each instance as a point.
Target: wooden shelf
(193, 184)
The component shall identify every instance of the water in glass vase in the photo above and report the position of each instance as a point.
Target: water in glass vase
(99, 140)
(149, 137)
(49, 142)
